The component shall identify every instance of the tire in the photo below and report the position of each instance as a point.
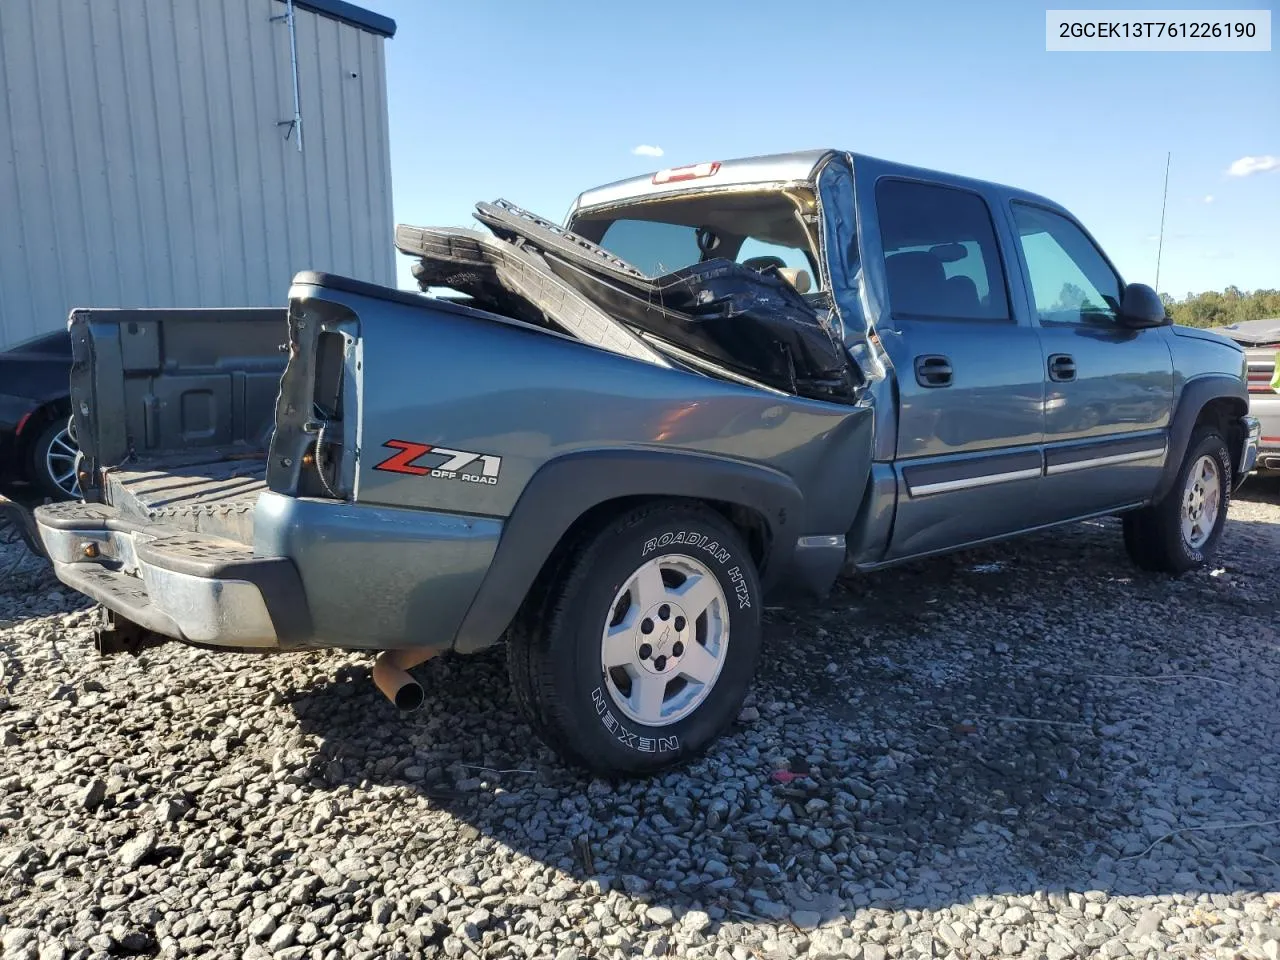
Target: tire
(1182, 530)
(609, 719)
(52, 457)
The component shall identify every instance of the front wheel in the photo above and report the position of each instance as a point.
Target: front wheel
(640, 646)
(1181, 531)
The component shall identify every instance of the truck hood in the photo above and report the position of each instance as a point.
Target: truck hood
(1203, 333)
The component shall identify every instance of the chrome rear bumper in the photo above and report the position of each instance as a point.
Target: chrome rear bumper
(187, 586)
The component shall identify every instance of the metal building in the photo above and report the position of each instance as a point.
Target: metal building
(149, 154)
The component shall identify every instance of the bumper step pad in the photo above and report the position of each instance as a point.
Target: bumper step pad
(190, 586)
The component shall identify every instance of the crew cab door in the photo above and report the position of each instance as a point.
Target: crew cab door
(970, 423)
(1108, 389)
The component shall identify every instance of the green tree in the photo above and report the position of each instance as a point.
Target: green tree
(1213, 309)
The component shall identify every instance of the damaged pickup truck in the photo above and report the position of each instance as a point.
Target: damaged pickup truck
(614, 439)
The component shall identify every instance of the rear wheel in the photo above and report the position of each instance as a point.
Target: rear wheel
(642, 641)
(1182, 530)
(53, 461)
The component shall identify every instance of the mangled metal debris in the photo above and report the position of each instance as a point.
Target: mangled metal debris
(718, 316)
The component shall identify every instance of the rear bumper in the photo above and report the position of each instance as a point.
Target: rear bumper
(1266, 408)
(190, 587)
(322, 573)
(379, 578)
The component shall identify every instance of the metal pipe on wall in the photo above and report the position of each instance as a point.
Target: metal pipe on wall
(296, 122)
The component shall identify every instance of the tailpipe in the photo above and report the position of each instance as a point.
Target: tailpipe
(391, 674)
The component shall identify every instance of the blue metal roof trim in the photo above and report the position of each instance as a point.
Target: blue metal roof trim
(350, 13)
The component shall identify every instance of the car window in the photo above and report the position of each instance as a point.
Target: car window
(56, 344)
(1071, 281)
(655, 248)
(791, 257)
(940, 253)
(651, 246)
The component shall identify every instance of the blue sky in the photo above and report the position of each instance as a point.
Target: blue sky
(536, 102)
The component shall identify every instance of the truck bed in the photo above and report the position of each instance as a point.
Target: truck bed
(174, 413)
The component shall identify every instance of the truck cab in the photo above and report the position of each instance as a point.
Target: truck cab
(1017, 380)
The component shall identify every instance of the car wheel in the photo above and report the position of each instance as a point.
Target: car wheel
(637, 648)
(53, 461)
(1182, 530)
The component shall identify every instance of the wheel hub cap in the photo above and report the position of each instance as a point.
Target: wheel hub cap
(665, 640)
(1201, 501)
(60, 462)
(662, 638)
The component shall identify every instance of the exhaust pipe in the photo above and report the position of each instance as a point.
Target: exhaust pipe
(391, 674)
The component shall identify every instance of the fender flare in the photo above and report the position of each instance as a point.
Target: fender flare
(564, 489)
(1196, 393)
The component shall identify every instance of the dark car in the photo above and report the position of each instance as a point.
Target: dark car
(36, 442)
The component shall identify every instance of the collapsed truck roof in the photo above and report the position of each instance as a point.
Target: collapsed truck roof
(751, 324)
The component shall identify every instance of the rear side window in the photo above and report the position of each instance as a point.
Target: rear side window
(941, 258)
(652, 247)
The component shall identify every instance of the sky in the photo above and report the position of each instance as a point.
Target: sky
(536, 102)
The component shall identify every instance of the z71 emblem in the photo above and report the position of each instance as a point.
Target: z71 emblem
(454, 465)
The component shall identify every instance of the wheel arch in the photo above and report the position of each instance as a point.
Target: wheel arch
(41, 416)
(50, 411)
(1215, 399)
(574, 494)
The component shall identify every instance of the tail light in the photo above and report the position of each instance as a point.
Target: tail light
(323, 459)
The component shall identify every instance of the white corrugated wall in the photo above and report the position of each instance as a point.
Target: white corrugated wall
(141, 163)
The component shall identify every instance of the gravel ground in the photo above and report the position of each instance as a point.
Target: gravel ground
(1028, 750)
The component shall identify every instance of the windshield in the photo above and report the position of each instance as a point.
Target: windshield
(758, 231)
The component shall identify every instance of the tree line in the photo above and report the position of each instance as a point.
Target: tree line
(1213, 309)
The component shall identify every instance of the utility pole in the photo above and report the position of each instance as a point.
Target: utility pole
(1163, 205)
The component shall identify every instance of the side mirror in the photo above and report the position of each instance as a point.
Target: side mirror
(1141, 307)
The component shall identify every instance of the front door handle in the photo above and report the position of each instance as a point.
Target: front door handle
(1062, 368)
(933, 371)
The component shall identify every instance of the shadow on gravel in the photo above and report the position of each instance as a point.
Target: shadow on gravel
(1260, 490)
(1030, 716)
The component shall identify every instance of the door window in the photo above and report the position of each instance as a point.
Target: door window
(940, 253)
(1071, 281)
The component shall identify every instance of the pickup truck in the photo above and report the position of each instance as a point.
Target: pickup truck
(609, 442)
(1261, 342)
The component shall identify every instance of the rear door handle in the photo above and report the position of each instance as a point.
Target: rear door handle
(1062, 368)
(933, 371)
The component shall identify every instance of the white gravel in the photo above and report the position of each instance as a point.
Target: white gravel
(1029, 750)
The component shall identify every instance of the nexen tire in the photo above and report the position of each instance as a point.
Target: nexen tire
(557, 649)
(1154, 536)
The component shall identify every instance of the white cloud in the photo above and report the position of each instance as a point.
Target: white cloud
(645, 150)
(1152, 237)
(1250, 165)
(1208, 198)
